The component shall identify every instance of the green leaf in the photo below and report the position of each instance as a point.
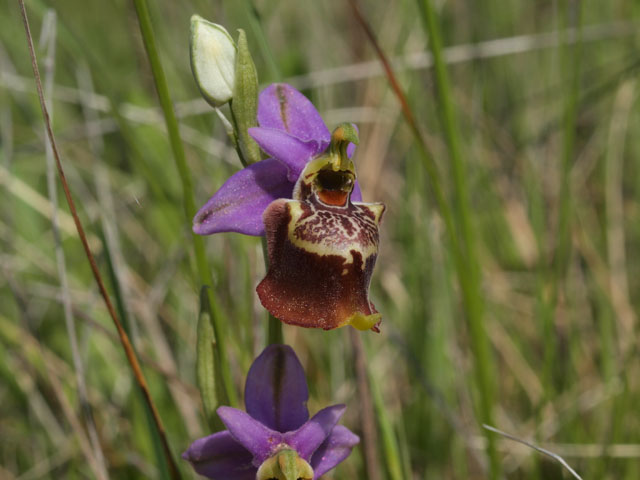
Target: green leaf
(244, 106)
(205, 363)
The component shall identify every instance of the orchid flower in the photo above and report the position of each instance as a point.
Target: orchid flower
(274, 438)
(322, 240)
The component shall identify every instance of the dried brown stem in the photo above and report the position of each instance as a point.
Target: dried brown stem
(124, 338)
(388, 70)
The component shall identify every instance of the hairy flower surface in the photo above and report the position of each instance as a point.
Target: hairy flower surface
(274, 438)
(322, 239)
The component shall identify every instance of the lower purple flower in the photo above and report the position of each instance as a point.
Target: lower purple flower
(274, 438)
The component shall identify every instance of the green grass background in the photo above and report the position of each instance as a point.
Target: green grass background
(545, 127)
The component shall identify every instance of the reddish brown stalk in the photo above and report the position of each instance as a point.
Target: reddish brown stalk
(388, 70)
(427, 161)
(124, 338)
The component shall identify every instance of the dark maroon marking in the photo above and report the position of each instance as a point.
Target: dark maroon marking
(203, 218)
(283, 105)
(306, 289)
(325, 226)
(347, 225)
(305, 191)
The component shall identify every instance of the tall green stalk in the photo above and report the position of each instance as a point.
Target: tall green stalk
(275, 334)
(228, 393)
(464, 256)
(570, 60)
(468, 272)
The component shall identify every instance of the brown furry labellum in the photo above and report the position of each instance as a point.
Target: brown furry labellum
(322, 249)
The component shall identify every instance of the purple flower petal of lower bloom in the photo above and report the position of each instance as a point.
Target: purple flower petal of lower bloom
(250, 433)
(220, 457)
(238, 205)
(333, 450)
(276, 390)
(310, 436)
(291, 151)
(282, 107)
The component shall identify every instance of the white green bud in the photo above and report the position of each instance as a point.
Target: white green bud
(213, 60)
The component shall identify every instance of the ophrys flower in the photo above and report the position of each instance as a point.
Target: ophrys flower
(275, 437)
(323, 244)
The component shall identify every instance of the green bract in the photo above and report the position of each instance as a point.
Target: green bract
(245, 100)
(213, 60)
(285, 465)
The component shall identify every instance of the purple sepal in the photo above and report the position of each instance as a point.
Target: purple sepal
(291, 151)
(276, 391)
(238, 205)
(334, 449)
(310, 436)
(250, 433)
(219, 456)
(282, 107)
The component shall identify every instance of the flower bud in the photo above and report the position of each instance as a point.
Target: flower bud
(213, 60)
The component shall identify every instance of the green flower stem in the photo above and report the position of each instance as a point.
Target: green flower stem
(390, 447)
(570, 64)
(274, 328)
(204, 272)
(465, 260)
(275, 334)
(466, 257)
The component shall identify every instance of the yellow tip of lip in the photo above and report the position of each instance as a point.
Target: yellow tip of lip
(364, 322)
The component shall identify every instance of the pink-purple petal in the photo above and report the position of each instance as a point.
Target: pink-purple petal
(220, 457)
(310, 436)
(351, 148)
(292, 151)
(282, 107)
(238, 205)
(356, 194)
(334, 449)
(250, 433)
(276, 391)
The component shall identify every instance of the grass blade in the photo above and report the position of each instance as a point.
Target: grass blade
(100, 468)
(146, 29)
(469, 275)
(124, 338)
(205, 364)
(464, 251)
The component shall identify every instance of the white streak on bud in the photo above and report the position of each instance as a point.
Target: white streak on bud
(213, 59)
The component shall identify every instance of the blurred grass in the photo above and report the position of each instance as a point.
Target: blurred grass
(512, 121)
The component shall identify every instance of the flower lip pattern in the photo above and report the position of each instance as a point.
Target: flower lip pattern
(291, 132)
(322, 246)
(276, 422)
